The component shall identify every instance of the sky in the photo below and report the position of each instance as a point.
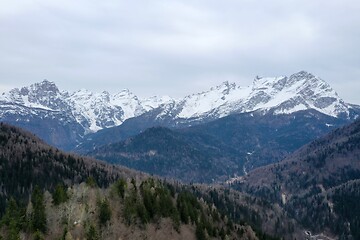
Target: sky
(175, 48)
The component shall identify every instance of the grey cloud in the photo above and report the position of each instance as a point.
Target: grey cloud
(177, 47)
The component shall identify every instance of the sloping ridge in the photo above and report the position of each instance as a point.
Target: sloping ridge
(330, 161)
(318, 184)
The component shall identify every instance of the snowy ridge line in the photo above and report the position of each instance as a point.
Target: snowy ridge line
(284, 95)
(96, 111)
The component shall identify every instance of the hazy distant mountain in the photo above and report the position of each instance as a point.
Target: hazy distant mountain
(318, 185)
(63, 119)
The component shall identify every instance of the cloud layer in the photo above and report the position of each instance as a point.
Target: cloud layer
(177, 47)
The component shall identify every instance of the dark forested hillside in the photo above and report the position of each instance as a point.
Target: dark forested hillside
(26, 161)
(260, 139)
(317, 185)
(170, 154)
(217, 150)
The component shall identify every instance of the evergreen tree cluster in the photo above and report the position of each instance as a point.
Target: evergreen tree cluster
(26, 161)
(230, 210)
(346, 200)
(154, 199)
(17, 219)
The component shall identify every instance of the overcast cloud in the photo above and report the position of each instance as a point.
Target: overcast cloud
(164, 47)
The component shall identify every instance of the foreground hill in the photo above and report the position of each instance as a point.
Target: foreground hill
(45, 198)
(148, 209)
(26, 161)
(318, 185)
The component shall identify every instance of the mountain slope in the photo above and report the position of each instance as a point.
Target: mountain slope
(313, 183)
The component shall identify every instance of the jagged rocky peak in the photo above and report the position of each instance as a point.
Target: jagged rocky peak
(82, 93)
(44, 87)
(125, 93)
(44, 94)
(307, 80)
(310, 86)
(225, 86)
(261, 83)
(105, 96)
(301, 82)
(39, 91)
(302, 75)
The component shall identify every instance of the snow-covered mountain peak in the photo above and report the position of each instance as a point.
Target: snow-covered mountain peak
(42, 95)
(282, 94)
(45, 86)
(302, 75)
(300, 91)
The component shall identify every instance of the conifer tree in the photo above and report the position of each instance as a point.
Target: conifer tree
(60, 194)
(104, 212)
(38, 219)
(92, 234)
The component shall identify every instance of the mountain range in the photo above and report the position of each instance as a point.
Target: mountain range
(67, 119)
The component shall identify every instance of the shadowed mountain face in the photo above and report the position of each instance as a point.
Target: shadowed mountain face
(220, 149)
(318, 184)
(169, 154)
